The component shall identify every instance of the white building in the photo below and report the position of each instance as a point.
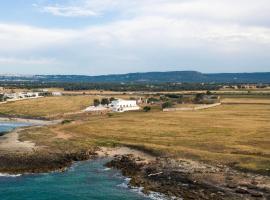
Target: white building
(124, 105)
(57, 93)
(21, 95)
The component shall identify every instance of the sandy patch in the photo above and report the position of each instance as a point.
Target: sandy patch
(10, 143)
(119, 151)
(61, 134)
(35, 122)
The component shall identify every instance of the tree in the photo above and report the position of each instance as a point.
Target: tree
(199, 98)
(105, 101)
(2, 97)
(112, 99)
(208, 92)
(146, 108)
(152, 100)
(167, 104)
(96, 102)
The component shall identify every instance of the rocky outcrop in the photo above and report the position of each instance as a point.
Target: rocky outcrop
(188, 180)
(40, 162)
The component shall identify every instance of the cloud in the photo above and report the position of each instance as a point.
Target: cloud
(68, 11)
(16, 37)
(26, 61)
(146, 35)
(240, 11)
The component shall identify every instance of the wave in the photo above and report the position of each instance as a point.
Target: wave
(107, 169)
(9, 175)
(150, 195)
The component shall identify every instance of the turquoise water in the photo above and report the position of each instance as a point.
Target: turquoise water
(9, 126)
(88, 180)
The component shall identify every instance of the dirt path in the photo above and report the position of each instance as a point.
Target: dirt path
(10, 143)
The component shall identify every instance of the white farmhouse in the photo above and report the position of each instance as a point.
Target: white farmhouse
(57, 93)
(124, 105)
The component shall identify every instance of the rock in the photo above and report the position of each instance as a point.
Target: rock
(256, 194)
(231, 185)
(229, 178)
(253, 187)
(242, 191)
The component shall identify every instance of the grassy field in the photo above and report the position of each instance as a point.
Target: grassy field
(246, 100)
(237, 135)
(46, 107)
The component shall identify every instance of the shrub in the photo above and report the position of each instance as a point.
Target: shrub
(105, 101)
(96, 102)
(146, 108)
(66, 121)
(167, 104)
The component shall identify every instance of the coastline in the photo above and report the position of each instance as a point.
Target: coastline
(34, 122)
(189, 179)
(172, 177)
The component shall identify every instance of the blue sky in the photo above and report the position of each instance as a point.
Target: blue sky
(118, 36)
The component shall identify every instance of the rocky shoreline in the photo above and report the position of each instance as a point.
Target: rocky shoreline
(41, 162)
(179, 179)
(191, 180)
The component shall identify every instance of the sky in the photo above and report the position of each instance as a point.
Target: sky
(93, 37)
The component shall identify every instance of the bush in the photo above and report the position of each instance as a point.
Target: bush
(96, 102)
(167, 104)
(66, 121)
(199, 98)
(105, 101)
(112, 99)
(146, 108)
(152, 100)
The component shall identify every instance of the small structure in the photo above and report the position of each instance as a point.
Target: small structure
(57, 93)
(124, 105)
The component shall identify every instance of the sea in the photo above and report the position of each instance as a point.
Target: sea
(87, 180)
(7, 126)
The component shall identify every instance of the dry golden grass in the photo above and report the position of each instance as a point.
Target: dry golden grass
(237, 134)
(246, 100)
(46, 107)
(230, 134)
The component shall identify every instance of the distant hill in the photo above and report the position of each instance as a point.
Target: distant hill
(153, 77)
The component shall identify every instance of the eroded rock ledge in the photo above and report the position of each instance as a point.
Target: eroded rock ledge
(191, 180)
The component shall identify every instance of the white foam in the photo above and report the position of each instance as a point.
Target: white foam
(151, 195)
(9, 175)
(107, 169)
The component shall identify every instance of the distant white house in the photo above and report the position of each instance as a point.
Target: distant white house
(57, 93)
(124, 105)
(11, 95)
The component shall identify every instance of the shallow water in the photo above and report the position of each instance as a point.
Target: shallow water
(9, 126)
(88, 180)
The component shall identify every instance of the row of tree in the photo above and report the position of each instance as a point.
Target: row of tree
(103, 101)
(69, 86)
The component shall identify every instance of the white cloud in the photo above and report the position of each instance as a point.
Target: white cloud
(69, 11)
(27, 61)
(240, 11)
(14, 37)
(145, 33)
